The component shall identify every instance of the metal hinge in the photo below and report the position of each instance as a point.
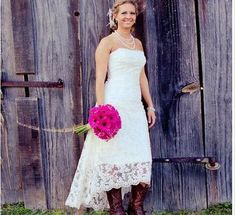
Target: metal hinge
(210, 162)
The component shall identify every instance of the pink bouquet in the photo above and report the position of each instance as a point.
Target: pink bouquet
(104, 120)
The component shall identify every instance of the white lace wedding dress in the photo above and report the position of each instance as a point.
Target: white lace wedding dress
(126, 159)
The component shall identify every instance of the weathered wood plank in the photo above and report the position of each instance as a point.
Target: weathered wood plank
(216, 53)
(11, 188)
(30, 153)
(91, 34)
(171, 48)
(57, 56)
(23, 36)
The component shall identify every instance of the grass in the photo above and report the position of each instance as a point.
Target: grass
(19, 209)
(218, 209)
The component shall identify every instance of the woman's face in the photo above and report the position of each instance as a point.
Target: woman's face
(126, 16)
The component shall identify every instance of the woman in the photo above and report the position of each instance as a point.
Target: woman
(108, 170)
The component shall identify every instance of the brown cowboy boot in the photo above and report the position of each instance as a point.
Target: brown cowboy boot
(115, 202)
(138, 192)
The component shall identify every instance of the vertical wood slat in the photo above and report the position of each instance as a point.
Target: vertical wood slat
(216, 53)
(30, 153)
(23, 36)
(171, 47)
(55, 28)
(11, 188)
(91, 34)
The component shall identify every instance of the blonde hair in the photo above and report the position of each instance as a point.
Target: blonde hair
(115, 10)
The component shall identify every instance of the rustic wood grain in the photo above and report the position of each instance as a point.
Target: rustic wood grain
(33, 180)
(11, 187)
(56, 43)
(172, 62)
(23, 36)
(216, 53)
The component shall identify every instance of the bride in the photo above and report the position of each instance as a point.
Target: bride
(108, 170)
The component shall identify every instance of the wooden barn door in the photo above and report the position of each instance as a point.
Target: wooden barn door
(172, 31)
(40, 44)
(189, 42)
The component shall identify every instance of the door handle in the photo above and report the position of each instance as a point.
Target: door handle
(191, 88)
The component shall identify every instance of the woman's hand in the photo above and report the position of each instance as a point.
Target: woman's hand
(98, 103)
(151, 118)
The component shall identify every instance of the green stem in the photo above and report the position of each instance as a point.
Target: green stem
(81, 129)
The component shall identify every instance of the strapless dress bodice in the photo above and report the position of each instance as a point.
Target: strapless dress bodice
(124, 68)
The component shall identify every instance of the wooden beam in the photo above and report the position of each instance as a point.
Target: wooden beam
(56, 27)
(23, 29)
(172, 63)
(11, 187)
(30, 149)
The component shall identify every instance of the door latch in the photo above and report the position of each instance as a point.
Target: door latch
(41, 84)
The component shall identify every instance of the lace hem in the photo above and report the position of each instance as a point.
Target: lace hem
(89, 189)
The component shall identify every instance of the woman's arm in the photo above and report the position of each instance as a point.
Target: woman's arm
(147, 97)
(145, 88)
(144, 81)
(101, 59)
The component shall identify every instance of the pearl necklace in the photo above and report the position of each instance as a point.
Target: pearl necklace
(130, 45)
(123, 38)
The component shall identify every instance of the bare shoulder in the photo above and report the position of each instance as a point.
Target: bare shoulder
(105, 44)
(138, 44)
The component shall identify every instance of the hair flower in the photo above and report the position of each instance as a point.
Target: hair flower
(111, 21)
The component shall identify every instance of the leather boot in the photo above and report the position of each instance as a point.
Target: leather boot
(136, 204)
(115, 202)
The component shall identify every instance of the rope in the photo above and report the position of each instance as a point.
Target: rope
(53, 130)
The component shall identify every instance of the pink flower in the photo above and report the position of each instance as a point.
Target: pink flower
(104, 120)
